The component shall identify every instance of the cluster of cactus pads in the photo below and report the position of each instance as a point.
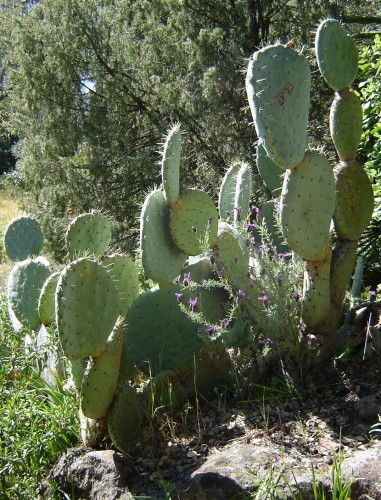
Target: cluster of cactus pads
(313, 194)
(110, 331)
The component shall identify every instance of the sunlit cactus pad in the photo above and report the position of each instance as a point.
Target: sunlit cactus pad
(125, 274)
(159, 335)
(88, 233)
(24, 286)
(86, 308)
(227, 192)
(46, 303)
(100, 379)
(193, 222)
(278, 88)
(23, 238)
(354, 204)
(161, 259)
(336, 54)
(170, 166)
(307, 205)
(270, 173)
(345, 123)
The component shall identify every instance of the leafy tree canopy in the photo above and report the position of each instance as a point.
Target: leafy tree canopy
(90, 87)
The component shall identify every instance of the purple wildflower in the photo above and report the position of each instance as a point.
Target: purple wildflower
(269, 343)
(192, 303)
(179, 296)
(283, 255)
(297, 294)
(222, 323)
(279, 279)
(250, 226)
(186, 279)
(276, 459)
(210, 330)
(240, 294)
(264, 299)
(371, 294)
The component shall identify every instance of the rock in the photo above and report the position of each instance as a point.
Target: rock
(363, 469)
(88, 474)
(368, 409)
(239, 469)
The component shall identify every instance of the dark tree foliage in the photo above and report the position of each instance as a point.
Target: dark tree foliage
(91, 87)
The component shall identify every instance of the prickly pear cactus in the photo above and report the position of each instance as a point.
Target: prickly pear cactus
(354, 206)
(100, 379)
(242, 194)
(86, 308)
(336, 54)
(162, 260)
(345, 123)
(23, 290)
(125, 275)
(307, 205)
(170, 165)
(270, 173)
(126, 419)
(46, 301)
(88, 233)
(23, 238)
(278, 88)
(193, 222)
(226, 198)
(159, 335)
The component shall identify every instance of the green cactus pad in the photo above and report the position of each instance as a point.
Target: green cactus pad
(316, 302)
(23, 289)
(336, 55)
(126, 419)
(86, 308)
(159, 335)
(242, 194)
(342, 267)
(354, 200)
(162, 260)
(230, 262)
(170, 165)
(212, 302)
(127, 368)
(125, 275)
(272, 226)
(270, 173)
(23, 238)
(278, 88)
(243, 242)
(307, 205)
(77, 369)
(226, 195)
(46, 302)
(88, 233)
(193, 222)
(345, 124)
(100, 379)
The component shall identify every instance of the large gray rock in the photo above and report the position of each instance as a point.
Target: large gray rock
(86, 474)
(238, 470)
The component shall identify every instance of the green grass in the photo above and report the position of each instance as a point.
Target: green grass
(38, 422)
